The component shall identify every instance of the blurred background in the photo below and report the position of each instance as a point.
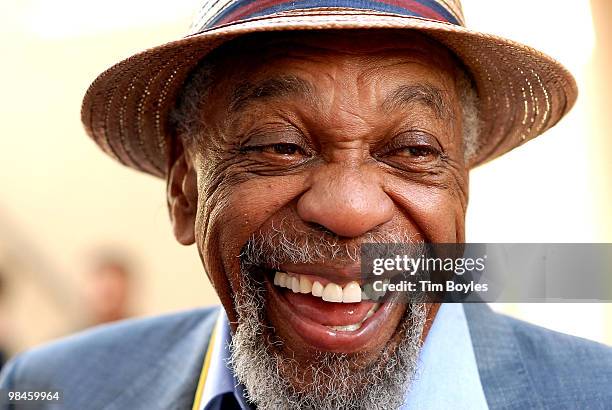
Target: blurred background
(85, 241)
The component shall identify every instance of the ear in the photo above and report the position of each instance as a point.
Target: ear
(182, 195)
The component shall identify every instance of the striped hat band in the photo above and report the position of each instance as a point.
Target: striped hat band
(215, 13)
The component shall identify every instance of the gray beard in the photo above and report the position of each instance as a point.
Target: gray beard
(334, 382)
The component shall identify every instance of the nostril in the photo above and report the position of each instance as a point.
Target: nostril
(326, 231)
(320, 228)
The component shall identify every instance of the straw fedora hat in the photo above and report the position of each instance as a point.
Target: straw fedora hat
(522, 92)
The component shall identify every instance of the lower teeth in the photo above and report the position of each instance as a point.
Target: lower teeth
(357, 326)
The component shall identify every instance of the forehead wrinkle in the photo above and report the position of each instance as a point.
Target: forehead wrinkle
(425, 94)
(270, 88)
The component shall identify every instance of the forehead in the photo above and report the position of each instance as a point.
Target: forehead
(386, 55)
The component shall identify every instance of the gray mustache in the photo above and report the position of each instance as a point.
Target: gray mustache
(287, 244)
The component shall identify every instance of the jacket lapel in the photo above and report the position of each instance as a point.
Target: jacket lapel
(170, 378)
(503, 375)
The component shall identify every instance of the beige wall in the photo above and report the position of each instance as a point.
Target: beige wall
(600, 103)
(556, 188)
(599, 92)
(60, 196)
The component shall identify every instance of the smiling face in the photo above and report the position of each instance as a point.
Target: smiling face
(316, 143)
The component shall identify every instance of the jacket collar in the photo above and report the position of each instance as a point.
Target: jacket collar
(172, 372)
(502, 370)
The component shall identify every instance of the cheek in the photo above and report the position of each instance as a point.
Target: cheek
(234, 212)
(437, 212)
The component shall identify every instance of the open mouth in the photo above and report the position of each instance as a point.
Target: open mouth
(343, 315)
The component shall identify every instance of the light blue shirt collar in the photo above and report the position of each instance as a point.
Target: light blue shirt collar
(220, 379)
(447, 374)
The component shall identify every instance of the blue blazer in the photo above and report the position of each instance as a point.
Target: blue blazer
(155, 364)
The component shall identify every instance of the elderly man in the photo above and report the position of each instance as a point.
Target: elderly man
(289, 134)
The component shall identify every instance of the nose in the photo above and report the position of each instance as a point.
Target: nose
(349, 202)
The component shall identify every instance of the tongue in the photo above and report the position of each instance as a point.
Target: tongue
(327, 313)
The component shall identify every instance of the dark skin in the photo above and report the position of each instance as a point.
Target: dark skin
(353, 133)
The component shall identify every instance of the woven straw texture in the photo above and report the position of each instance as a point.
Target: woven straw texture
(522, 91)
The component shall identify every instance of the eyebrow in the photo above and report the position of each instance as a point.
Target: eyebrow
(425, 94)
(275, 87)
(283, 86)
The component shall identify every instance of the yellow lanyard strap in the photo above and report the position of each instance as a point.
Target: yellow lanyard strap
(204, 373)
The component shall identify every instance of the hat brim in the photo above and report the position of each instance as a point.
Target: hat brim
(522, 92)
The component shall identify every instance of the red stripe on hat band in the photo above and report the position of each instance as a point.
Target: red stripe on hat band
(418, 8)
(255, 7)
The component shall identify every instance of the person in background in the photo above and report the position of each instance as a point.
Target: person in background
(108, 289)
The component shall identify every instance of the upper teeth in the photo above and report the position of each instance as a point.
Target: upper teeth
(332, 292)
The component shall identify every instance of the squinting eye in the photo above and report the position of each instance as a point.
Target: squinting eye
(282, 149)
(413, 148)
(421, 151)
(416, 151)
